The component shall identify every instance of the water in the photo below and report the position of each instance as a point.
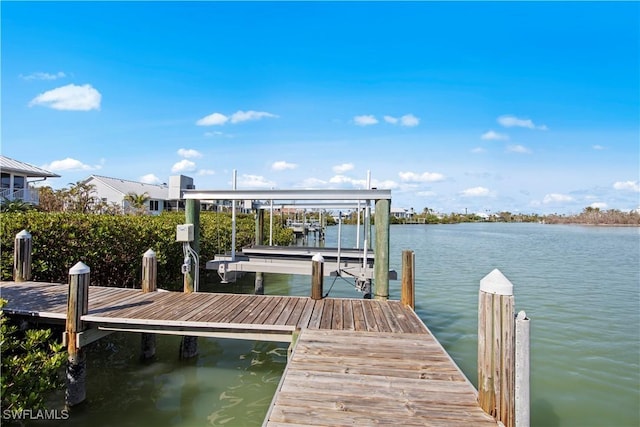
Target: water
(578, 285)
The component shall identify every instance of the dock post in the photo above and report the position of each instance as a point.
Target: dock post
(189, 344)
(259, 281)
(408, 297)
(317, 276)
(381, 264)
(496, 342)
(149, 284)
(77, 306)
(522, 389)
(22, 257)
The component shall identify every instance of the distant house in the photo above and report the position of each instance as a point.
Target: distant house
(402, 213)
(15, 183)
(114, 190)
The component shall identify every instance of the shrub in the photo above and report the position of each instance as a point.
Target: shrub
(113, 245)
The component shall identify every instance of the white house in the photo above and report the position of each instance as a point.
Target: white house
(15, 183)
(402, 213)
(114, 191)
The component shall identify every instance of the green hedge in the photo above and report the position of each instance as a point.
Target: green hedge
(113, 245)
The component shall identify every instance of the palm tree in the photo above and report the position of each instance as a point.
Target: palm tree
(137, 201)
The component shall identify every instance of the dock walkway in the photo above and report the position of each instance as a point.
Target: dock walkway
(354, 362)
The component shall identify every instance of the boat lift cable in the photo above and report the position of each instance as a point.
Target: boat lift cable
(189, 253)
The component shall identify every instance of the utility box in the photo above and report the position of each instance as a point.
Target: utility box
(184, 233)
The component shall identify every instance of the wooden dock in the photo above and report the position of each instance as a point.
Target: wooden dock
(354, 362)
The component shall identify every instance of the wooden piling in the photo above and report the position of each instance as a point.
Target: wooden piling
(149, 271)
(77, 306)
(259, 281)
(522, 388)
(189, 344)
(192, 216)
(496, 348)
(149, 284)
(22, 257)
(381, 264)
(407, 297)
(317, 276)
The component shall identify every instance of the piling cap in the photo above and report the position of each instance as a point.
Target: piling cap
(318, 258)
(80, 268)
(496, 283)
(149, 254)
(24, 234)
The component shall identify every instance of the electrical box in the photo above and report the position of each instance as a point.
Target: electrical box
(184, 233)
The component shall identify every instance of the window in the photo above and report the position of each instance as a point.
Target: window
(153, 205)
(18, 182)
(6, 180)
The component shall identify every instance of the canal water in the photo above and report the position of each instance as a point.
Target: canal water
(578, 285)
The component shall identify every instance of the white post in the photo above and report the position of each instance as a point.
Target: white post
(271, 222)
(522, 389)
(22, 257)
(233, 219)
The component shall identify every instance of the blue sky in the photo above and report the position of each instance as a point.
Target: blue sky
(484, 107)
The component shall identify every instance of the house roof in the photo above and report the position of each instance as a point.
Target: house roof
(154, 191)
(8, 164)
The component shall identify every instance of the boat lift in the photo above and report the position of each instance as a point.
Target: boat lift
(357, 263)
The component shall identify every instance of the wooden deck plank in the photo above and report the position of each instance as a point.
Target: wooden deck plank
(316, 316)
(327, 314)
(305, 315)
(347, 315)
(369, 317)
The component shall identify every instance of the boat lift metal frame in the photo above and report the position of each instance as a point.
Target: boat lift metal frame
(328, 199)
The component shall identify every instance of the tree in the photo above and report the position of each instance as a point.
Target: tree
(80, 197)
(137, 201)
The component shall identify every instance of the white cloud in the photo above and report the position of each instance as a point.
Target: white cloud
(282, 165)
(183, 166)
(390, 119)
(475, 192)
(313, 183)
(218, 119)
(409, 120)
(518, 149)
(345, 167)
(216, 133)
(421, 177)
(68, 164)
(70, 97)
(556, 198)
(365, 120)
(627, 186)
(598, 205)
(478, 150)
(244, 116)
(203, 172)
(189, 153)
(340, 179)
(43, 76)
(513, 121)
(494, 136)
(150, 179)
(253, 181)
(362, 183)
(214, 119)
